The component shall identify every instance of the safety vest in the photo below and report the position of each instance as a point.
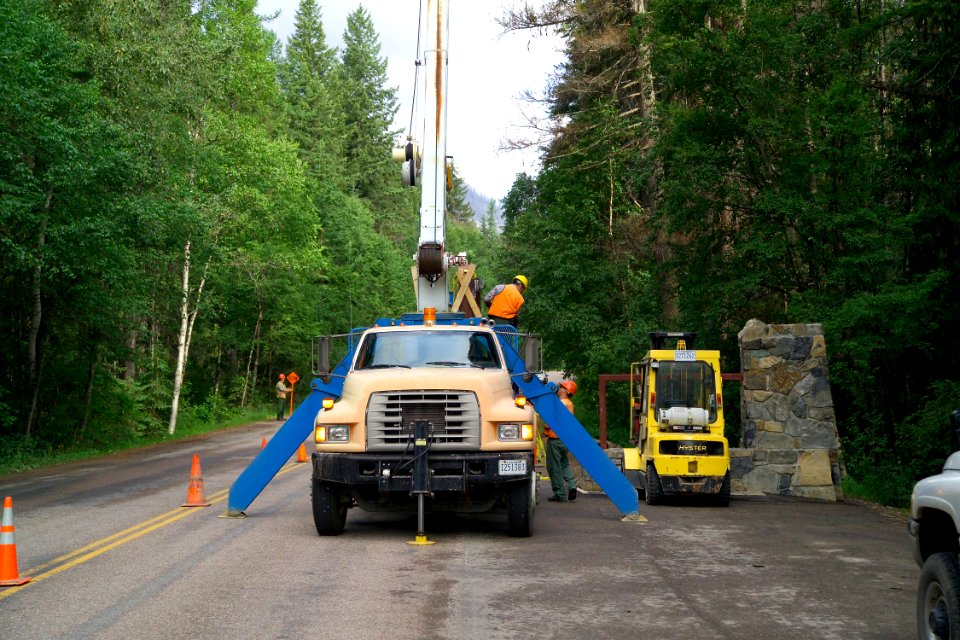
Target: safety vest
(507, 303)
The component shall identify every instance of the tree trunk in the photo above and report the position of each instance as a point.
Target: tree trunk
(253, 346)
(88, 400)
(37, 316)
(187, 320)
(181, 339)
(216, 371)
(130, 368)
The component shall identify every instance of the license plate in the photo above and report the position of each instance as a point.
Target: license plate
(685, 356)
(513, 467)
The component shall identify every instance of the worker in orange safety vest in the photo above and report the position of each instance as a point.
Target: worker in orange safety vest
(505, 300)
(562, 480)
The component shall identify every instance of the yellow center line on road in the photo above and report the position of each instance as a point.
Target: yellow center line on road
(108, 543)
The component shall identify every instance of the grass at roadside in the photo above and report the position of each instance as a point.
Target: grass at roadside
(879, 490)
(19, 454)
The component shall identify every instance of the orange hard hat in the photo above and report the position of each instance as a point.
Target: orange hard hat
(283, 377)
(570, 386)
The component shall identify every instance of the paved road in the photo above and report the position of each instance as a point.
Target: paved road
(114, 556)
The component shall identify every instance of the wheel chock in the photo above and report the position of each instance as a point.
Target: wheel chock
(634, 518)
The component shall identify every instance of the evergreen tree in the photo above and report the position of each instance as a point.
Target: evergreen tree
(457, 207)
(368, 109)
(307, 76)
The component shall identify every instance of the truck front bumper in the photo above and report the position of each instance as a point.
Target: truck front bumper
(449, 471)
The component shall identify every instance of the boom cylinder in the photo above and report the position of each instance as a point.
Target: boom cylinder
(432, 286)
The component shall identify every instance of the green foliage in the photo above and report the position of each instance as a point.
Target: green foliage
(726, 161)
(131, 129)
(368, 109)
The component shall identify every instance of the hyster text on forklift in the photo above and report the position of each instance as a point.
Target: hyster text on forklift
(677, 422)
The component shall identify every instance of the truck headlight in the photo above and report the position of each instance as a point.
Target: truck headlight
(512, 432)
(508, 432)
(324, 433)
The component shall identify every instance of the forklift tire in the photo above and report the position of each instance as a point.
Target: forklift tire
(722, 499)
(520, 501)
(654, 488)
(329, 509)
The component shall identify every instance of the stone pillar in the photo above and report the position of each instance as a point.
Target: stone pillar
(790, 444)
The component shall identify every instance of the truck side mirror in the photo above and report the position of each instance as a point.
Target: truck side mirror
(323, 358)
(531, 355)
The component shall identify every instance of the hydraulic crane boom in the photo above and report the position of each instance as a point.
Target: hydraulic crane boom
(432, 285)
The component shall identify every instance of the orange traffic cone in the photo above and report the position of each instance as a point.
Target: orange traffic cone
(9, 573)
(302, 453)
(195, 494)
(263, 443)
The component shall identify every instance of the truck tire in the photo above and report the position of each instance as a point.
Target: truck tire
(654, 488)
(329, 509)
(520, 501)
(723, 498)
(938, 598)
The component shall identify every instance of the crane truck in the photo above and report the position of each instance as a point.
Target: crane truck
(432, 411)
(677, 422)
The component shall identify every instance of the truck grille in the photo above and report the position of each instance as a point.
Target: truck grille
(454, 418)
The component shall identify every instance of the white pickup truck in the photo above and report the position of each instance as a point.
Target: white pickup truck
(934, 526)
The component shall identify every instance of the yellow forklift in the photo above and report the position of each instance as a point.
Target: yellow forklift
(676, 420)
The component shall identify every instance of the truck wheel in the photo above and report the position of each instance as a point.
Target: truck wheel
(938, 608)
(723, 498)
(329, 509)
(654, 488)
(520, 501)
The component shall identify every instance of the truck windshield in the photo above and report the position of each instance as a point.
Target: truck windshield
(409, 349)
(686, 384)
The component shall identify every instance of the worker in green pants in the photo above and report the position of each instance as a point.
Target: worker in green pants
(558, 460)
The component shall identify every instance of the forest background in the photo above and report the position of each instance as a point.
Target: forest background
(184, 203)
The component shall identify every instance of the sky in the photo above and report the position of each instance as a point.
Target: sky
(488, 73)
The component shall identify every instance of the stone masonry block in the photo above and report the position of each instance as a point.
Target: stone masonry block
(783, 456)
(782, 346)
(818, 347)
(756, 395)
(820, 394)
(752, 334)
(773, 440)
(818, 435)
(801, 348)
(770, 426)
(783, 377)
(755, 379)
(813, 469)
